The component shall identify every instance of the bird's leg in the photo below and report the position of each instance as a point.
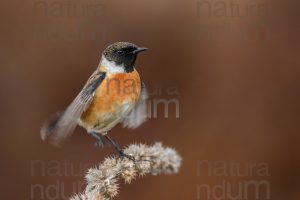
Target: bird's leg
(119, 150)
(100, 139)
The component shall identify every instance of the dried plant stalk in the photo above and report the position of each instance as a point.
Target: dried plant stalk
(102, 181)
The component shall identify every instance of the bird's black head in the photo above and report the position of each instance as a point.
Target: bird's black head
(123, 54)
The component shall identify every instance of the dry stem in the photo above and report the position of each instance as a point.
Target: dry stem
(102, 181)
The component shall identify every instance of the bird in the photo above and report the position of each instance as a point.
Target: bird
(113, 94)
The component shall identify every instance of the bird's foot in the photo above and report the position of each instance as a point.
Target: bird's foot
(122, 155)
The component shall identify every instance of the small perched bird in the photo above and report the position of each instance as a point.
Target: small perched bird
(113, 94)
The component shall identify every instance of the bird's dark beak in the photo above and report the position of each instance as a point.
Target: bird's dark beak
(139, 49)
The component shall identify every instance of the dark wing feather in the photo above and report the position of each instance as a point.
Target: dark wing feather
(62, 126)
(139, 113)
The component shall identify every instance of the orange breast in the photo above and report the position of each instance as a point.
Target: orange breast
(116, 95)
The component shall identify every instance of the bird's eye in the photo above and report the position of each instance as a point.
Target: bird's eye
(120, 52)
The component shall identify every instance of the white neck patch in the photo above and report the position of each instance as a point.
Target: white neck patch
(111, 67)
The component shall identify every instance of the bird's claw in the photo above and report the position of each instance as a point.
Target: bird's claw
(122, 155)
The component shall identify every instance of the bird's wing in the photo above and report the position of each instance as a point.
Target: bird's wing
(62, 125)
(139, 113)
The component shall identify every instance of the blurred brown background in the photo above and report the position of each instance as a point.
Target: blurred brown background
(236, 67)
